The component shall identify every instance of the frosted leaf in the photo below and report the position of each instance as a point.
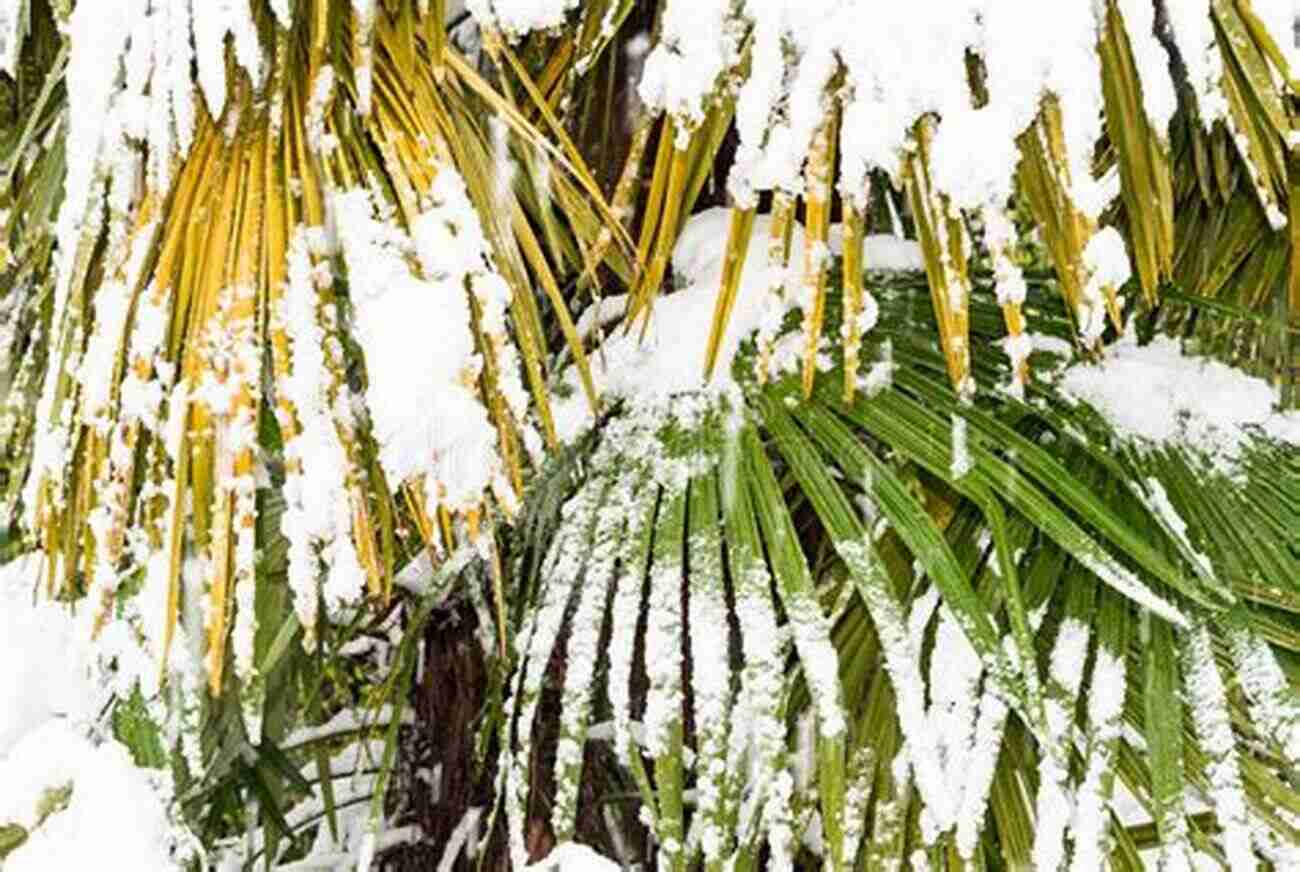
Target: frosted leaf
(1055, 802)
(624, 614)
(1208, 704)
(663, 646)
(561, 573)
(903, 662)
(758, 732)
(664, 655)
(581, 659)
(1274, 709)
(710, 685)
(1157, 500)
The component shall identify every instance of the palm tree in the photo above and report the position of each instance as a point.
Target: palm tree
(576, 343)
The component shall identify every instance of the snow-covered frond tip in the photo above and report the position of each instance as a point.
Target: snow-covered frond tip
(317, 422)
(515, 18)
(795, 52)
(423, 363)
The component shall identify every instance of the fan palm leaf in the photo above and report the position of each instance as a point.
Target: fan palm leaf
(890, 596)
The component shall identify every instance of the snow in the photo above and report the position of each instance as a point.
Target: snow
(955, 670)
(572, 857)
(461, 839)
(43, 675)
(1106, 265)
(317, 519)
(11, 33)
(354, 778)
(322, 92)
(233, 18)
(113, 805)
(698, 42)
(880, 251)
(50, 694)
(794, 50)
(670, 359)
(99, 32)
(422, 363)
(1279, 18)
(1159, 396)
(974, 183)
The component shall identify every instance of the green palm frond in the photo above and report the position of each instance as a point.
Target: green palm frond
(1065, 558)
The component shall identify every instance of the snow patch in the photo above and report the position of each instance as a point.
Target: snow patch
(572, 857)
(1159, 395)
